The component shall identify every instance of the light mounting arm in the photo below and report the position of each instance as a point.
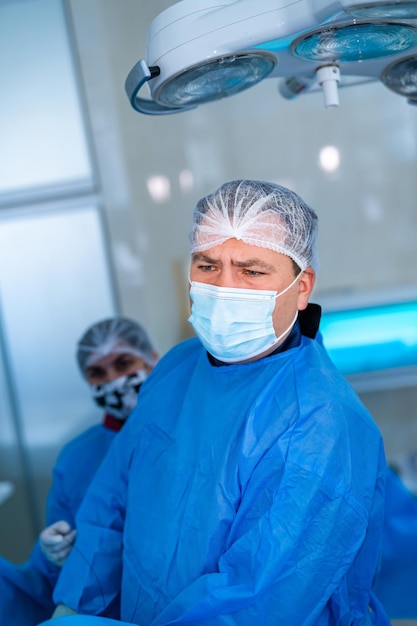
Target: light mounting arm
(137, 77)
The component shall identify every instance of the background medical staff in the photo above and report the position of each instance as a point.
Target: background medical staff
(396, 582)
(115, 356)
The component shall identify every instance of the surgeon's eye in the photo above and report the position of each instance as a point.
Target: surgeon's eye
(206, 268)
(253, 273)
(95, 375)
(123, 363)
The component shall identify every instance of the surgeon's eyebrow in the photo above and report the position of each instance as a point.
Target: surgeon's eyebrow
(255, 262)
(200, 256)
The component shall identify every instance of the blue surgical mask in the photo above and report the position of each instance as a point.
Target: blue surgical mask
(235, 324)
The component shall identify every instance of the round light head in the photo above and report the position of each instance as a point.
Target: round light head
(401, 77)
(359, 41)
(216, 78)
(401, 10)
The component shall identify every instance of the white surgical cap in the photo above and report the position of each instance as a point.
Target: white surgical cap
(112, 336)
(260, 214)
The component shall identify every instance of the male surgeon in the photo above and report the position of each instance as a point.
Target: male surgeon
(248, 485)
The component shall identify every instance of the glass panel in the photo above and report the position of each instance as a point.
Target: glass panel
(17, 531)
(7, 432)
(41, 127)
(54, 282)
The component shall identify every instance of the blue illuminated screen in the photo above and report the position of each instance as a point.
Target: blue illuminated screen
(372, 338)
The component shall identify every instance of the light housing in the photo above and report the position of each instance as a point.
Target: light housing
(217, 78)
(401, 77)
(354, 42)
(400, 10)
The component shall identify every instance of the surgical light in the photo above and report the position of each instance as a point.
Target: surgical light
(401, 10)
(401, 77)
(358, 41)
(199, 51)
(215, 79)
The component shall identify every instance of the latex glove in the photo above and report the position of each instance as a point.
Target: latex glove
(56, 542)
(62, 610)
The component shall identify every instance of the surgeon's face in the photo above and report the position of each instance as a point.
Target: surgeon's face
(113, 366)
(238, 264)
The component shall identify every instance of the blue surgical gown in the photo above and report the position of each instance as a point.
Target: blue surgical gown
(396, 583)
(26, 590)
(237, 495)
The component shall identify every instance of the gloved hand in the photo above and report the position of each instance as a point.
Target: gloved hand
(56, 542)
(61, 611)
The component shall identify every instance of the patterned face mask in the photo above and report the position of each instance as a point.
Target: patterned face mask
(119, 396)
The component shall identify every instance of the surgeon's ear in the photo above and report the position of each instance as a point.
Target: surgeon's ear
(305, 287)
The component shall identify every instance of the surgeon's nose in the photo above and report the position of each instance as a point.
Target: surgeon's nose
(225, 277)
(111, 374)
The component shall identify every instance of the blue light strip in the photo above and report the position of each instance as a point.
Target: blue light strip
(370, 339)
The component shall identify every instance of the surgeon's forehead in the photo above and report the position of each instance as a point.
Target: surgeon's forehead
(240, 254)
(108, 353)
